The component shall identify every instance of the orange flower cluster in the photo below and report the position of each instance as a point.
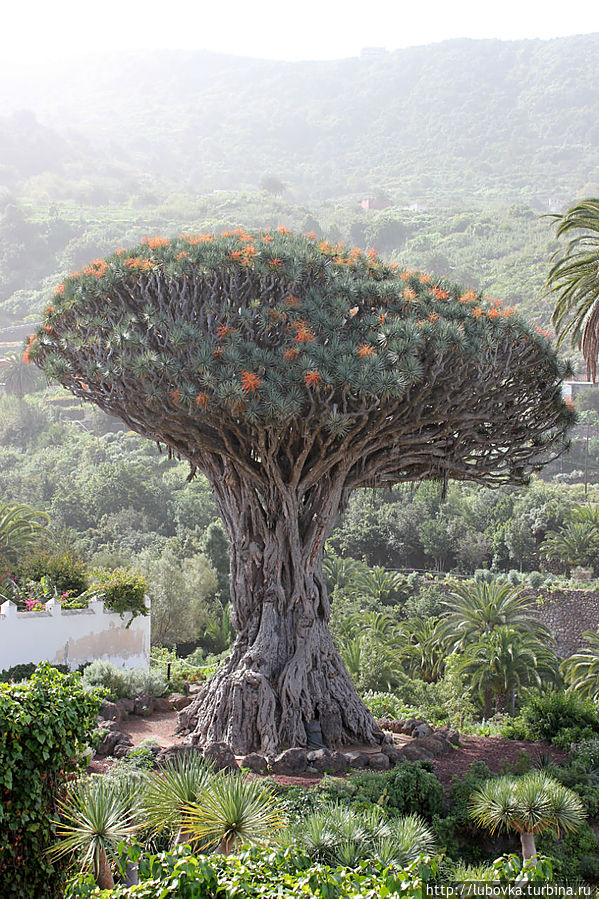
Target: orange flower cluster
(425, 279)
(382, 318)
(182, 255)
(364, 350)
(440, 294)
(312, 378)
(283, 230)
(137, 264)
(543, 333)
(154, 242)
(218, 352)
(195, 239)
(223, 331)
(175, 395)
(508, 311)
(290, 355)
(266, 237)
(303, 333)
(405, 276)
(494, 312)
(292, 301)
(249, 381)
(202, 400)
(98, 268)
(324, 246)
(354, 311)
(468, 297)
(409, 294)
(372, 253)
(478, 312)
(26, 355)
(276, 262)
(60, 290)
(433, 317)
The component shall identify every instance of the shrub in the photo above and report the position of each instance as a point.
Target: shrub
(24, 672)
(44, 725)
(66, 571)
(557, 717)
(122, 590)
(412, 787)
(383, 705)
(124, 683)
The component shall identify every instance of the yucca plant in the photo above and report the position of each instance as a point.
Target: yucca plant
(172, 789)
(529, 805)
(231, 812)
(96, 815)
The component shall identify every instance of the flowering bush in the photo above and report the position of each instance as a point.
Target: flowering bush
(122, 590)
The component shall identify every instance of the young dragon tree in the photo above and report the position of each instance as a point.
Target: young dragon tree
(292, 372)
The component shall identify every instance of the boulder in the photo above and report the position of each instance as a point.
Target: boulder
(111, 738)
(127, 706)
(436, 744)
(393, 753)
(357, 759)
(453, 736)
(179, 701)
(175, 752)
(327, 760)
(379, 761)
(412, 752)
(422, 730)
(110, 711)
(162, 704)
(254, 762)
(290, 762)
(144, 705)
(220, 757)
(121, 750)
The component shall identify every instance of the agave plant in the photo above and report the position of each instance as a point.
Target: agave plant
(169, 791)
(231, 812)
(96, 815)
(529, 805)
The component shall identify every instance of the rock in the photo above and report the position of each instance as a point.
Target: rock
(111, 738)
(393, 753)
(220, 757)
(379, 761)
(176, 751)
(436, 744)
(453, 736)
(422, 730)
(127, 706)
(357, 759)
(162, 704)
(390, 724)
(290, 762)
(327, 760)
(412, 752)
(110, 711)
(121, 750)
(179, 700)
(144, 705)
(254, 762)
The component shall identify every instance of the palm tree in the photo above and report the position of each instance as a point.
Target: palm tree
(21, 529)
(528, 805)
(169, 791)
(340, 572)
(380, 585)
(581, 670)
(476, 609)
(231, 812)
(422, 651)
(500, 663)
(18, 378)
(576, 544)
(96, 815)
(574, 278)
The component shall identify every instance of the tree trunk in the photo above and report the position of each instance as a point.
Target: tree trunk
(529, 849)
(487, 700)
(104, 877)
(284, 671)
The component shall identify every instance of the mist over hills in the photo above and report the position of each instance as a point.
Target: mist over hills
(461, 123)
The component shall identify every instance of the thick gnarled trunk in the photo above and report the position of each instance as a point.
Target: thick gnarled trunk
(284, 671)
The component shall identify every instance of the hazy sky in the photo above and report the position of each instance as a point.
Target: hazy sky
(43, 30)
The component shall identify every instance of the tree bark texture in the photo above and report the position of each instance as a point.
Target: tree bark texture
(284, 670)
(529, 849)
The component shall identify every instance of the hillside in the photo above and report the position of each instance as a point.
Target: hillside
(459, 123)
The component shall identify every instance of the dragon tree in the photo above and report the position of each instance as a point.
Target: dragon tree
(292, 372)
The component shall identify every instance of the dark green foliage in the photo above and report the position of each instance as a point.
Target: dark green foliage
(556, 717)
(411, 787)
(44, 725)
(67, 572)
(122, 590)
(259, 874)
(25, 671)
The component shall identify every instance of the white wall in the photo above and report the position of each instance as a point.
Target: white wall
(73, 636)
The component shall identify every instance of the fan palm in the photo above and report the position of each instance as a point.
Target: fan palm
(168, 791)
(574, 279)
(528, 805)
(581, 670)
(476, 609)
(504, 661)
(230, 812)
(96, 815)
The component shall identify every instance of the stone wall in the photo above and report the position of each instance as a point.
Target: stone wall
(73, 636)
(567, 614)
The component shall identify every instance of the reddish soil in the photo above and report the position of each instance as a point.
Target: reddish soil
(495, 752)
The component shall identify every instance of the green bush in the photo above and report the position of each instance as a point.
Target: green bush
(383, 705)
(259, 874)
(556, 717)
(122, 590)
(125, 683)
(45, 723)
(24, 672)
(411, 787)
(66, 571)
